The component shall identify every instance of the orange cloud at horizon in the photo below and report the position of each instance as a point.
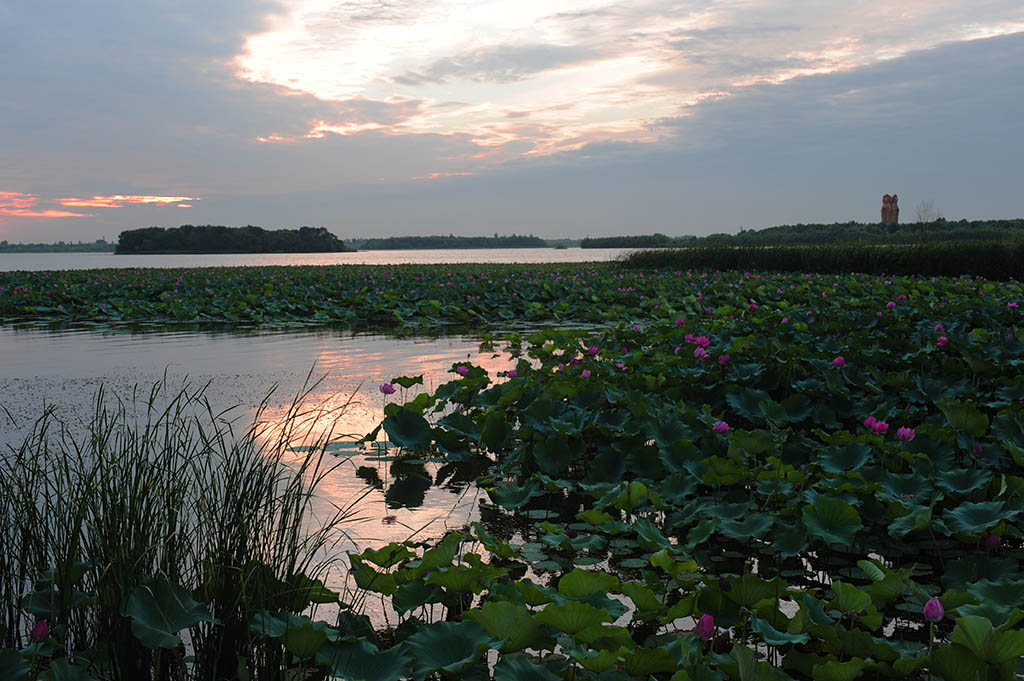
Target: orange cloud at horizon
(119, 200)
(47, 213)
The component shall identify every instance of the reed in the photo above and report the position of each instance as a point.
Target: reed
(159, 485)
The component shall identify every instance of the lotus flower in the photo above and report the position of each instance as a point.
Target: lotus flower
(933, 610)
(592, 350)
(387, 388)
(720, 427)
(991, 541)
(723, 359)
(940, 327)
(462, 370)
(40, 631)
(585, 373)
(904, 434)
(942, 341)
(511, 373)
(839, 361)
(705, 628)
(700, 353)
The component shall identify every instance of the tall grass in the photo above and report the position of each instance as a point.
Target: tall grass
(160, 485)
(992, 259)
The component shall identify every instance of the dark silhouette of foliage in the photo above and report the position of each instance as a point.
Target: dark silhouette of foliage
(992, 259)
(637, 241)
(403, 243)
(810, 234)
(98, 246)
(220, 239)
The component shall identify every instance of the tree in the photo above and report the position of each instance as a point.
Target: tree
(927, 212)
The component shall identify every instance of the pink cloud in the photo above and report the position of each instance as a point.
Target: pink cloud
(119, 200)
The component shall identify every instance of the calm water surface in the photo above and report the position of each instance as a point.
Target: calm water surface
(88, 261)
(65, 368)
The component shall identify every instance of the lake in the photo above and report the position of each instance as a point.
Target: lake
(64, 369)
(87, 261)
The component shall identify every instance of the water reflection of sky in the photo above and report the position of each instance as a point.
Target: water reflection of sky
(342, 373)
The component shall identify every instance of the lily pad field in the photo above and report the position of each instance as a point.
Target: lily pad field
(691, 475)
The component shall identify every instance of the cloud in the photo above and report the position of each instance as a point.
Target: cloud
(499, 64)
(120, 200)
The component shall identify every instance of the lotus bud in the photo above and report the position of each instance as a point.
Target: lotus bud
(40, 631)
(705, 628)
(933, 610)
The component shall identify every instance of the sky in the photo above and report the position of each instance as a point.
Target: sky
(562, 118)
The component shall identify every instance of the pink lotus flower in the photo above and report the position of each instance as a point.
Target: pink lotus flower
(933, 610)
(680, 321)
(462, 370)
(880, 427)
(705, 628)
(785, 320)
(977, 449)
(904, 434)
(752, 306)
(720, 427)
(39, 632)
(839, 361)
(991, 541)
(592, 350)
(702, 341)
(940, 327)
(387, 388)
(700, 353)
(723, 359)
(585, 373)
(942, 341)
(511, 373)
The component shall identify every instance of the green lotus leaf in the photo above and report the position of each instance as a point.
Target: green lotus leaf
(448, 647)
(975, 518)
(304, 641)
(955, 663)
(849, 599)
(834, 670)
(160, 609)
(643, 597)
(13, 666)
(964, 416)
(834, 520)
(362, 661)
(749, 589)
(407, 428)
(522, 667)
(962, 572)
(572, 617)
(773, 636)
(753, 525)
(963, 480)
(988, 644)
(582, 583)
(513, 496)
(388, 556)
(846, 459)
(414, 594)
(646, 661)
(63, 669)
(510, 622)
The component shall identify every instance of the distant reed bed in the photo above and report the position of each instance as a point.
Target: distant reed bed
(991, 259)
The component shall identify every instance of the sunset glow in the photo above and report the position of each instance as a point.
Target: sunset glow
(555, 78)
(119, 200)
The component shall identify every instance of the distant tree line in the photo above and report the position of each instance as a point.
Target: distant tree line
(98, 246)
(936, 230)
(639, 241)
(220, 239)
(402, 243)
